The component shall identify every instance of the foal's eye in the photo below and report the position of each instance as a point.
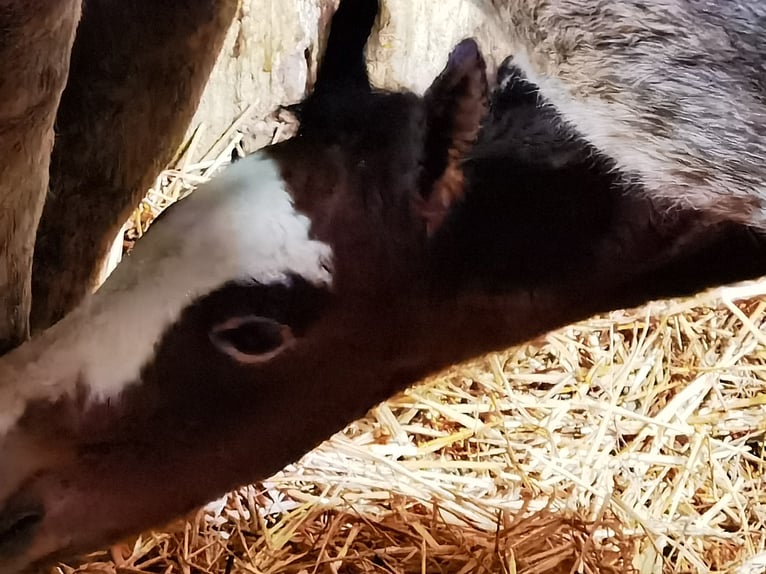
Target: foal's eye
(251, 339)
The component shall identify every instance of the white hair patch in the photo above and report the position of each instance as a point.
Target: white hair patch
(242, 225)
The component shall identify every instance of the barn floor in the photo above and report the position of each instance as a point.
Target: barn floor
(631, 442)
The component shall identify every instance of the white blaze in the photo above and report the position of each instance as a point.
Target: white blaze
(241, 225)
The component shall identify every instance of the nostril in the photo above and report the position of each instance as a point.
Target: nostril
(18, 523)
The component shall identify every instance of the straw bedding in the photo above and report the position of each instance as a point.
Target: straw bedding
(631, 442)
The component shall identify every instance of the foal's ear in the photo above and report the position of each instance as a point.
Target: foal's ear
(343, 67)
(456, 105)
(342, 78)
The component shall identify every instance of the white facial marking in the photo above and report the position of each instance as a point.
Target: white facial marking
(241, 225)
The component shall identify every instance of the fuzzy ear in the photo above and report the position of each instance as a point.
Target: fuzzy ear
(456, 105)
(343, 66)
(513, 87)
(342, 75)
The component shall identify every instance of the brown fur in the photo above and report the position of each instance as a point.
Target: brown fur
(459, 120)
(138, 71)
(35, 41)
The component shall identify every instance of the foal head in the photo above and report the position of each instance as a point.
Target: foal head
(303, 285)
